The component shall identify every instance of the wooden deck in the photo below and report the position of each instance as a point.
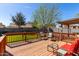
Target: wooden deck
(33, 49)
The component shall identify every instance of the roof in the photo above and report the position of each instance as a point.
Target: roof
(71, 21)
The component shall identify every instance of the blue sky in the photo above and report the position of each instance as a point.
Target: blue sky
(68, 11)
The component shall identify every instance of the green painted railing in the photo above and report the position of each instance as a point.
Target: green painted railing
(21, 36)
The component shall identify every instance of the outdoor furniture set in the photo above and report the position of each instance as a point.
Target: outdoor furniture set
(68, 49)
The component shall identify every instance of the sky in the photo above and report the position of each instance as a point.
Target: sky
(67, 10)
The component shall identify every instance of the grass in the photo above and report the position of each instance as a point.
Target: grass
(15, 38)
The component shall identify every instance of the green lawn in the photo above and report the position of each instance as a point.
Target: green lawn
(15, 38)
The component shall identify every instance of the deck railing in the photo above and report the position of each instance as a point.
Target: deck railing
(30, 36)
(2, 45)
(21, 36)
(62, 36)
(18, 36)
(13, 37)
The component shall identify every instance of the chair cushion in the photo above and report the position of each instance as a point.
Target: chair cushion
(71, 47)
(67, 47)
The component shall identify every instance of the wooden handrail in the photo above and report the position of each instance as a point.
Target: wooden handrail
(18, 33)
(2, 45)
(64, 33)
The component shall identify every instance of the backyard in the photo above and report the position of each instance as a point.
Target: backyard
(39, 31)
(32, 46)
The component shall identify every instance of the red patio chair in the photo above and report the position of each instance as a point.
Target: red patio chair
(69, 48)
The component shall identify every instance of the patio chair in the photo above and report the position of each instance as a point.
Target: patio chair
(71, 48)
(68, 49)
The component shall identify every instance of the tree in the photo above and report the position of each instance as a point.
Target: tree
(77, 15)
(45, 17)
(19, 19)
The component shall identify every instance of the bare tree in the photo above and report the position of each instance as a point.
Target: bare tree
(45, 17)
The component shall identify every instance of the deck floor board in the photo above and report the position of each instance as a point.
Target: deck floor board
(33, 49)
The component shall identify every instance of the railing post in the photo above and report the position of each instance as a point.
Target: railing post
(61, 32)
(68, 31)
(25, 36)
(2, 45)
